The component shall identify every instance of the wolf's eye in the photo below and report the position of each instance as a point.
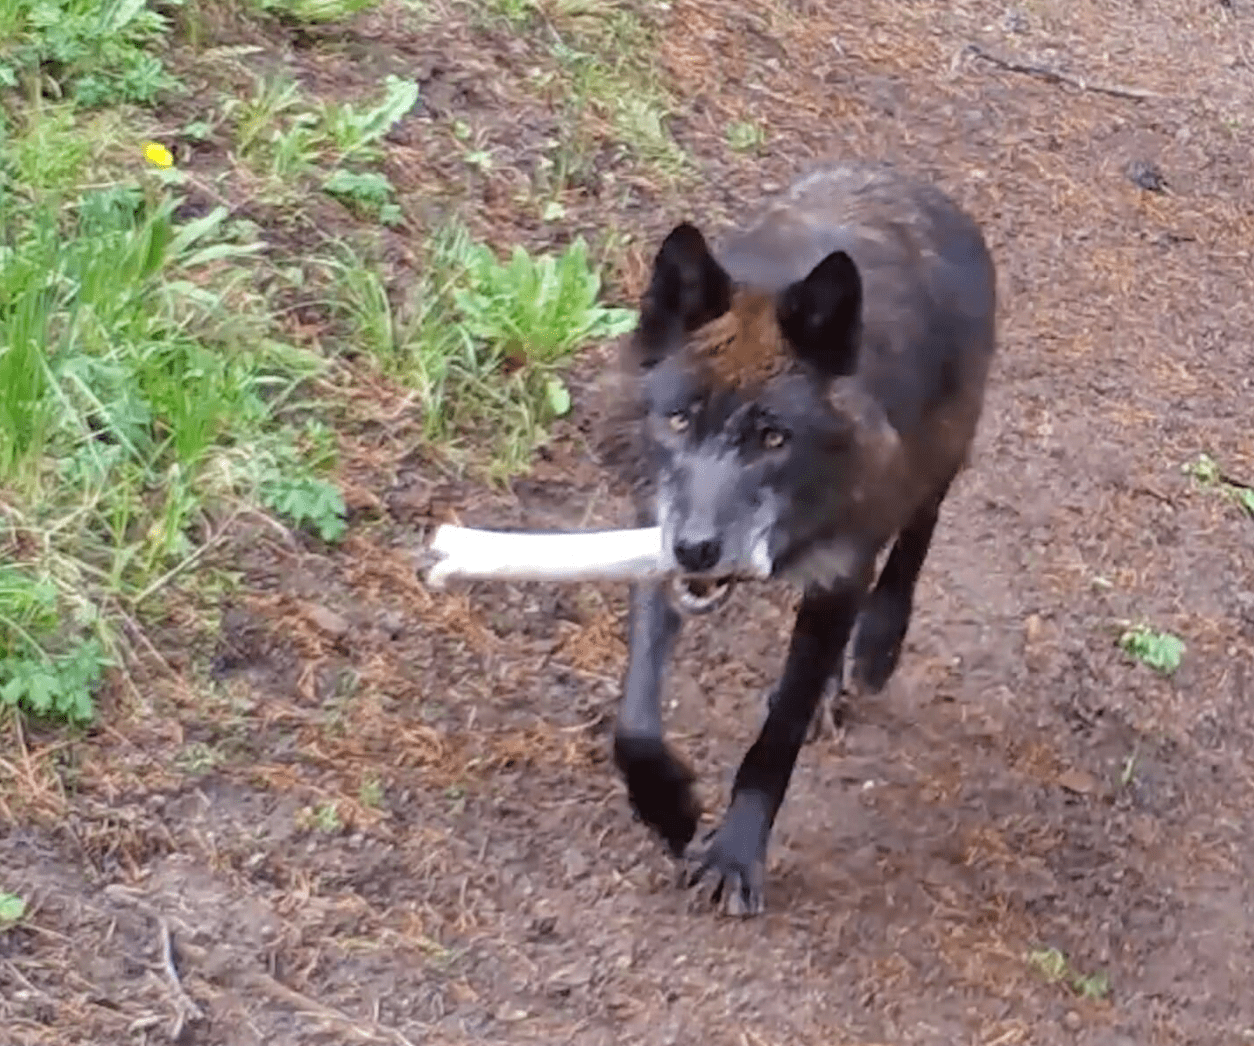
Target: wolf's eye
(678, 421)
(773, 439)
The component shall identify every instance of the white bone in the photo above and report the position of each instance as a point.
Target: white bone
(604, 555)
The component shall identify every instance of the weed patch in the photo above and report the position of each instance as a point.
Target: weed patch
(1209, 475)
(93, 52)
(285, 139)
(1054, 966)
(483, 340)
(140, 410)
(597, 71)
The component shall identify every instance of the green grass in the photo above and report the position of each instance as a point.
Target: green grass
(141, 404)
(149, 398)
(597, 67)
(95, 52)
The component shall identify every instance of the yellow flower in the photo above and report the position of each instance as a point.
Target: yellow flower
(157, 154)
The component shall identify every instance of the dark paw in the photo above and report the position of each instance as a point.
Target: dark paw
(659, 786)
(728, 866)
(877, 645)
(828, 716)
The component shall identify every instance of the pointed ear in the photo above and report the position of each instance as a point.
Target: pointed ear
(688, 289)
(821, 314)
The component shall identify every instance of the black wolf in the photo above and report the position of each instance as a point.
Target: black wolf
(790, 403)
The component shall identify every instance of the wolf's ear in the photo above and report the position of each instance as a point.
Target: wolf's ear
(821, 314)
(688, 289)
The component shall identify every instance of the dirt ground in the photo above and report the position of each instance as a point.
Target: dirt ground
(370, 813)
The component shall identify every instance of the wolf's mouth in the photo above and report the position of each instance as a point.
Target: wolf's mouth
(700, 595)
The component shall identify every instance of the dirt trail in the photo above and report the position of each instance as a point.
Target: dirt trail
(1022, 785)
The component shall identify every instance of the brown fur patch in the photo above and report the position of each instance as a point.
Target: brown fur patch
(744, 346)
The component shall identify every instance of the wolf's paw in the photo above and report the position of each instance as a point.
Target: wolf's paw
(728, 866)
(659, 786)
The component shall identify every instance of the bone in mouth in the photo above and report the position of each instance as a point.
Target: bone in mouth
(700, 595)
(503, 555)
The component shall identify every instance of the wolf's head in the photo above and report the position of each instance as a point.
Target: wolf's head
(762, 444)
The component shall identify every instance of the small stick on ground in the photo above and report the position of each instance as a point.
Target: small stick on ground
(1053, 76)
(185, 1007)
(370, 1031)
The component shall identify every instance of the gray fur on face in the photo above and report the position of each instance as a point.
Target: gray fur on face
(705, 496)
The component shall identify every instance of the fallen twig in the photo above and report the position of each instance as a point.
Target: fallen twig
(20, 977)
(369, 1031)
(1055, 77)
(184, 1005)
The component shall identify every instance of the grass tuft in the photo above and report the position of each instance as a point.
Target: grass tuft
(482, 340)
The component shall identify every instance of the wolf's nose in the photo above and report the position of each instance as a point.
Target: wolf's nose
(696, 556)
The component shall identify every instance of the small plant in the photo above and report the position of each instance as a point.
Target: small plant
(275, 130)
(198, 758)
(1053, 965)
(1207, 472)
(307, 499)
(12, 908)
(354, 133)
(327, 818)
(1161, 651)
(371, 792)
(1095, 987)
(368, 192)
(746, 136)
(543, 307)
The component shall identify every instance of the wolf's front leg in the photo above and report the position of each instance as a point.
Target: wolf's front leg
(731, 861)
(659, 784)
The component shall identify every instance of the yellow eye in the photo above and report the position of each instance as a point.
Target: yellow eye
(678, 421)
(773, 439)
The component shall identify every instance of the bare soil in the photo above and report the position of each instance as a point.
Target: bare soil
(1021, 785)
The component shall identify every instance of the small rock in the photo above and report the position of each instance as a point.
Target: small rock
(1147, 175)
(1072, 1021)
(1015, 21)
(462, 993)
(575, 864)
(1079, 781)
(328, 621)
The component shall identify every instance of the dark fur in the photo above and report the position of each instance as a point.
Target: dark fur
(791, 404)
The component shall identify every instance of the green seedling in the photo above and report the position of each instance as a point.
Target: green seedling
(746, 136)
(1053, 965)
(1160, 651)
(12, 908)
(1207, 472)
